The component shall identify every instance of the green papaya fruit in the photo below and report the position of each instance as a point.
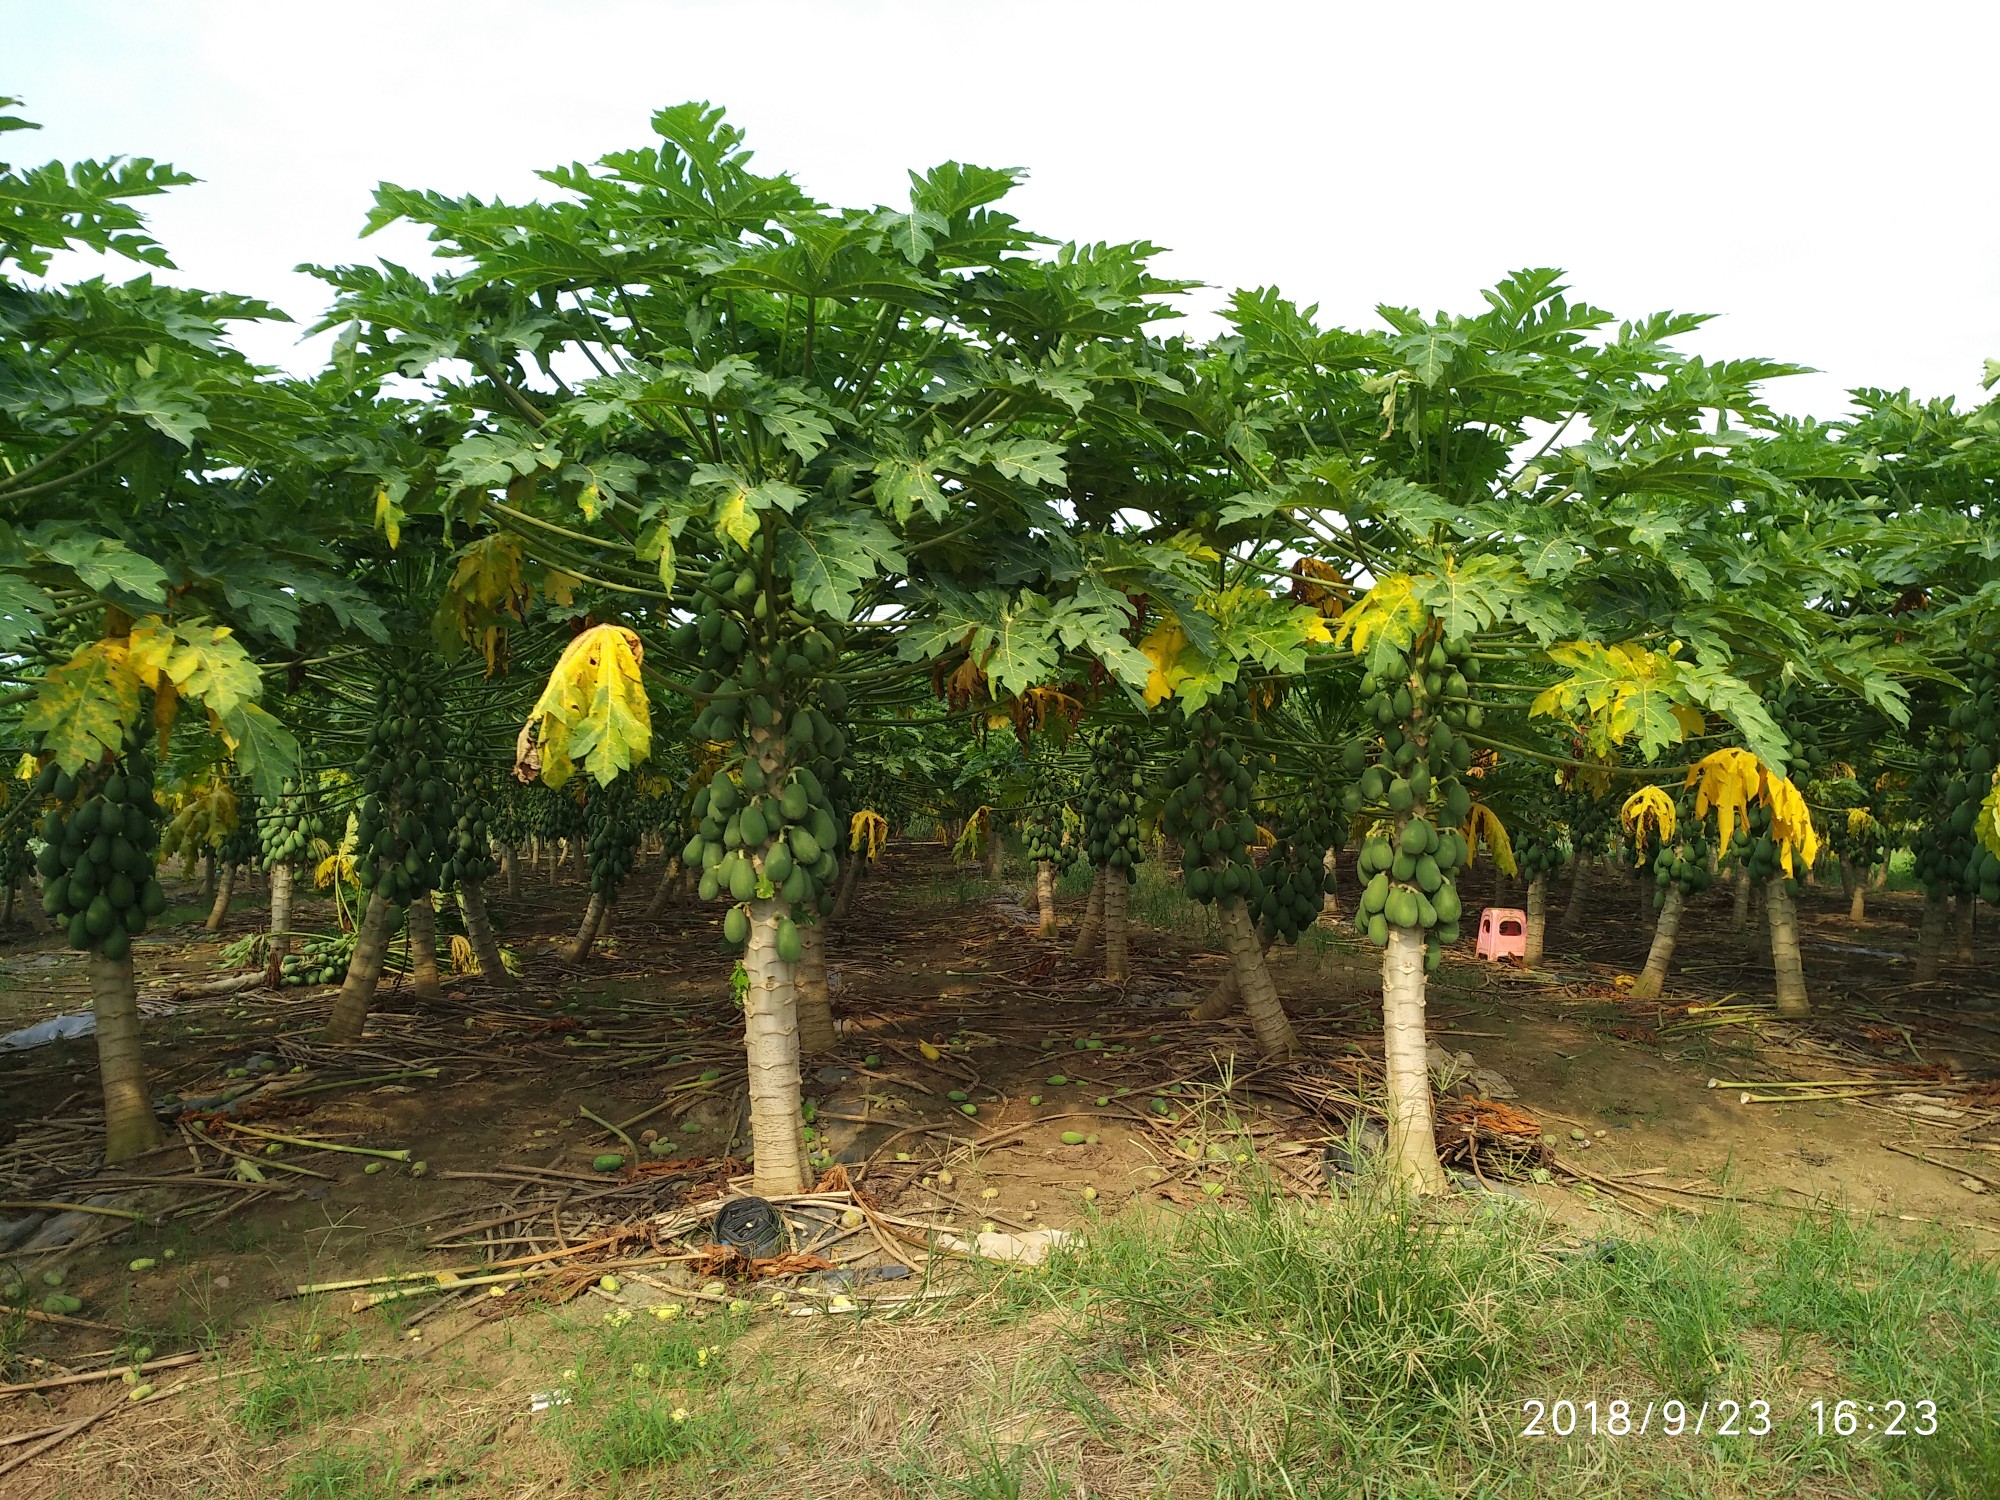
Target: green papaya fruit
(736, 926)
(790, 949)
(743, 881)
(1401, 909)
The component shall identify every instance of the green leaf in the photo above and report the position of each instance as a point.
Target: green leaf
(266, 751)
(21, 608)
(836, 552)
(101, 563)
(1031, 459)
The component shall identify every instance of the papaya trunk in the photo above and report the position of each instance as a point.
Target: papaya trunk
(224, 889)
(510, 870)
(1329, 901)
(364, 971)
(130, 1128)
(1857, 900)
(208, 876)
(1117, 947)
(1643, 880)
(1739, 910)
(1045, 896)
(1785, 960)
(1653, 978)
(1962, 928)
(850, 877)
(1579, 888)
(281, 921)
(1538, 921)
(586, 932)
(555, 860)
(1275, 1037)
(1220, 1000)
(670, 873)
(479, 931)
(1093, 919)
(996, 847)
(1930, 938)
(771, 1046)
(422, 919)
(816, 1033)
(1412, 1144)
(7, 916)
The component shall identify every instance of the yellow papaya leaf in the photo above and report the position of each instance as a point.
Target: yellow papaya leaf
(1484, 823)
(594, 709)
(463, 959)
(1791, 823)
(1162, 647)
(1985, 827)
(84, 707)
(1648, 808)
(867, 831)
(1728, 781)
(389, 516)
(972, 841)
(1389, 611)
(27, 768)
(736, 520)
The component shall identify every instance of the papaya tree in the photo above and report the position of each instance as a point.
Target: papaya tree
(743, 421)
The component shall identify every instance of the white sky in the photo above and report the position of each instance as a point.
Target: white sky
(1820, 174)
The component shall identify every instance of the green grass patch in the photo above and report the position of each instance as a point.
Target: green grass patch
(1370, 1349)
(304, 1375)
(644, 1394)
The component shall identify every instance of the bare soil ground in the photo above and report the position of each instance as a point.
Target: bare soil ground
(969, 1048)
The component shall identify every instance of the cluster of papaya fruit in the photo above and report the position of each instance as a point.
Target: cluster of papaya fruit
(1410, 882)
(98, 851)
(1805, 756)
(469, 850)
(406, 810)
(1111, 808)
(1542, 852)
(287, 827)
(611, 835)
(1682, 860)
(1757, 850)
(758, 655)
(1042, 831)
(1294, 879)
(242, 844)
(1211, 791)
(1421, 747)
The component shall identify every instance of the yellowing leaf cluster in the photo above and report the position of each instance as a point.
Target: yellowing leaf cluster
(1483, 823)
(867, 832)
(1389, 611)
(1648, 812)
(594, 709)
(1730, 780)
(1617, 691)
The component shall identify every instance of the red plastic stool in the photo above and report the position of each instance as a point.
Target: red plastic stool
(1503, 931)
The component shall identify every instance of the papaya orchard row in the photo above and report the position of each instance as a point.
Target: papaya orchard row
(734, 522)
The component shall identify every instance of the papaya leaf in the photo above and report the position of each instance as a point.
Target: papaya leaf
(594, 708)
(834, 554)
(85, 707)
